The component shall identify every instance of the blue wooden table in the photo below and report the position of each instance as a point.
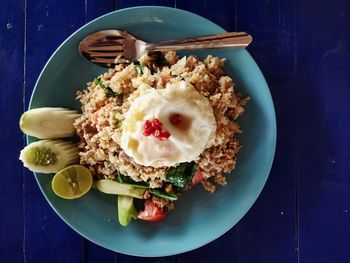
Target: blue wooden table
(303, 213)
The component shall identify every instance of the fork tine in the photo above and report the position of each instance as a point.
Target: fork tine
(106, 43)
(106, 48)
(113, 37)
(103, 60)
(104, 54)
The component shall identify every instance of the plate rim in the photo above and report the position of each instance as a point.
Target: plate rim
(269, 164)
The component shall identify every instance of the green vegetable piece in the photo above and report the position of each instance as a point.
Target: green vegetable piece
(139, 70)
(107, 90)
(162, 194)
(47, 156)
(41, 156)
(126, 210)
(118, 124)
(138, 65)
(49, 123)
(128, 181)
(180, 175)
(193, 170)
(113, 187)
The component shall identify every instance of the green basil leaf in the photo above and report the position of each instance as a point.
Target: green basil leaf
(107, 90)
(162, 194)
(180, 175)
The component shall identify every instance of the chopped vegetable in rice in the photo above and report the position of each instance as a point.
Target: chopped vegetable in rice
(164, 122)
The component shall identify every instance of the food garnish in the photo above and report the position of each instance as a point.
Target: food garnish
(49, 156)
(48, 122)
(154, 128)
(72, 182)
(151, 213)
(126, 210)
(107, 90)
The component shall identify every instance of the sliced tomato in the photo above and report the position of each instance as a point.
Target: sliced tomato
(152, 212)
(198, 177)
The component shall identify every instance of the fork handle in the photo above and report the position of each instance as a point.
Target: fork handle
(225, 40)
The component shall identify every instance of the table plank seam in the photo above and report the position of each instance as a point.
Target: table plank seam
(297, 135)
(23, 109)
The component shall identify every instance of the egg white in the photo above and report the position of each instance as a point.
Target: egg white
(184, 145)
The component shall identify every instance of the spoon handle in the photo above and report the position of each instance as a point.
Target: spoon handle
(225, 40)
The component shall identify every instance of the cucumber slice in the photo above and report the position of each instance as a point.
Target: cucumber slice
(126, 210)
(49, 156)
(162, 194)
(48, 123)
(112, 187)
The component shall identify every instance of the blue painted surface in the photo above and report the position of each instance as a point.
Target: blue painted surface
(323, 92)
(269, 231)
(43, 230)
(11, 96)
(303, 214)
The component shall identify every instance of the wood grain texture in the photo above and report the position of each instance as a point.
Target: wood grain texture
(97, 254)
(224, 13)
(94, 8)
(270, 230)
(46, 237)
(127, 3)
(324, 126)
(224, 249)
(11, 88)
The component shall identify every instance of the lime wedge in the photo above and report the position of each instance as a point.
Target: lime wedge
(72, 182)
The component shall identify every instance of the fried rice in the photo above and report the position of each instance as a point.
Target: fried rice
(99, 127)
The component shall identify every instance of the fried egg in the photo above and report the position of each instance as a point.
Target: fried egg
(183, 112)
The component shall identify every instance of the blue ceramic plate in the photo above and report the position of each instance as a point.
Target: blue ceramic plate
(199, 217)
